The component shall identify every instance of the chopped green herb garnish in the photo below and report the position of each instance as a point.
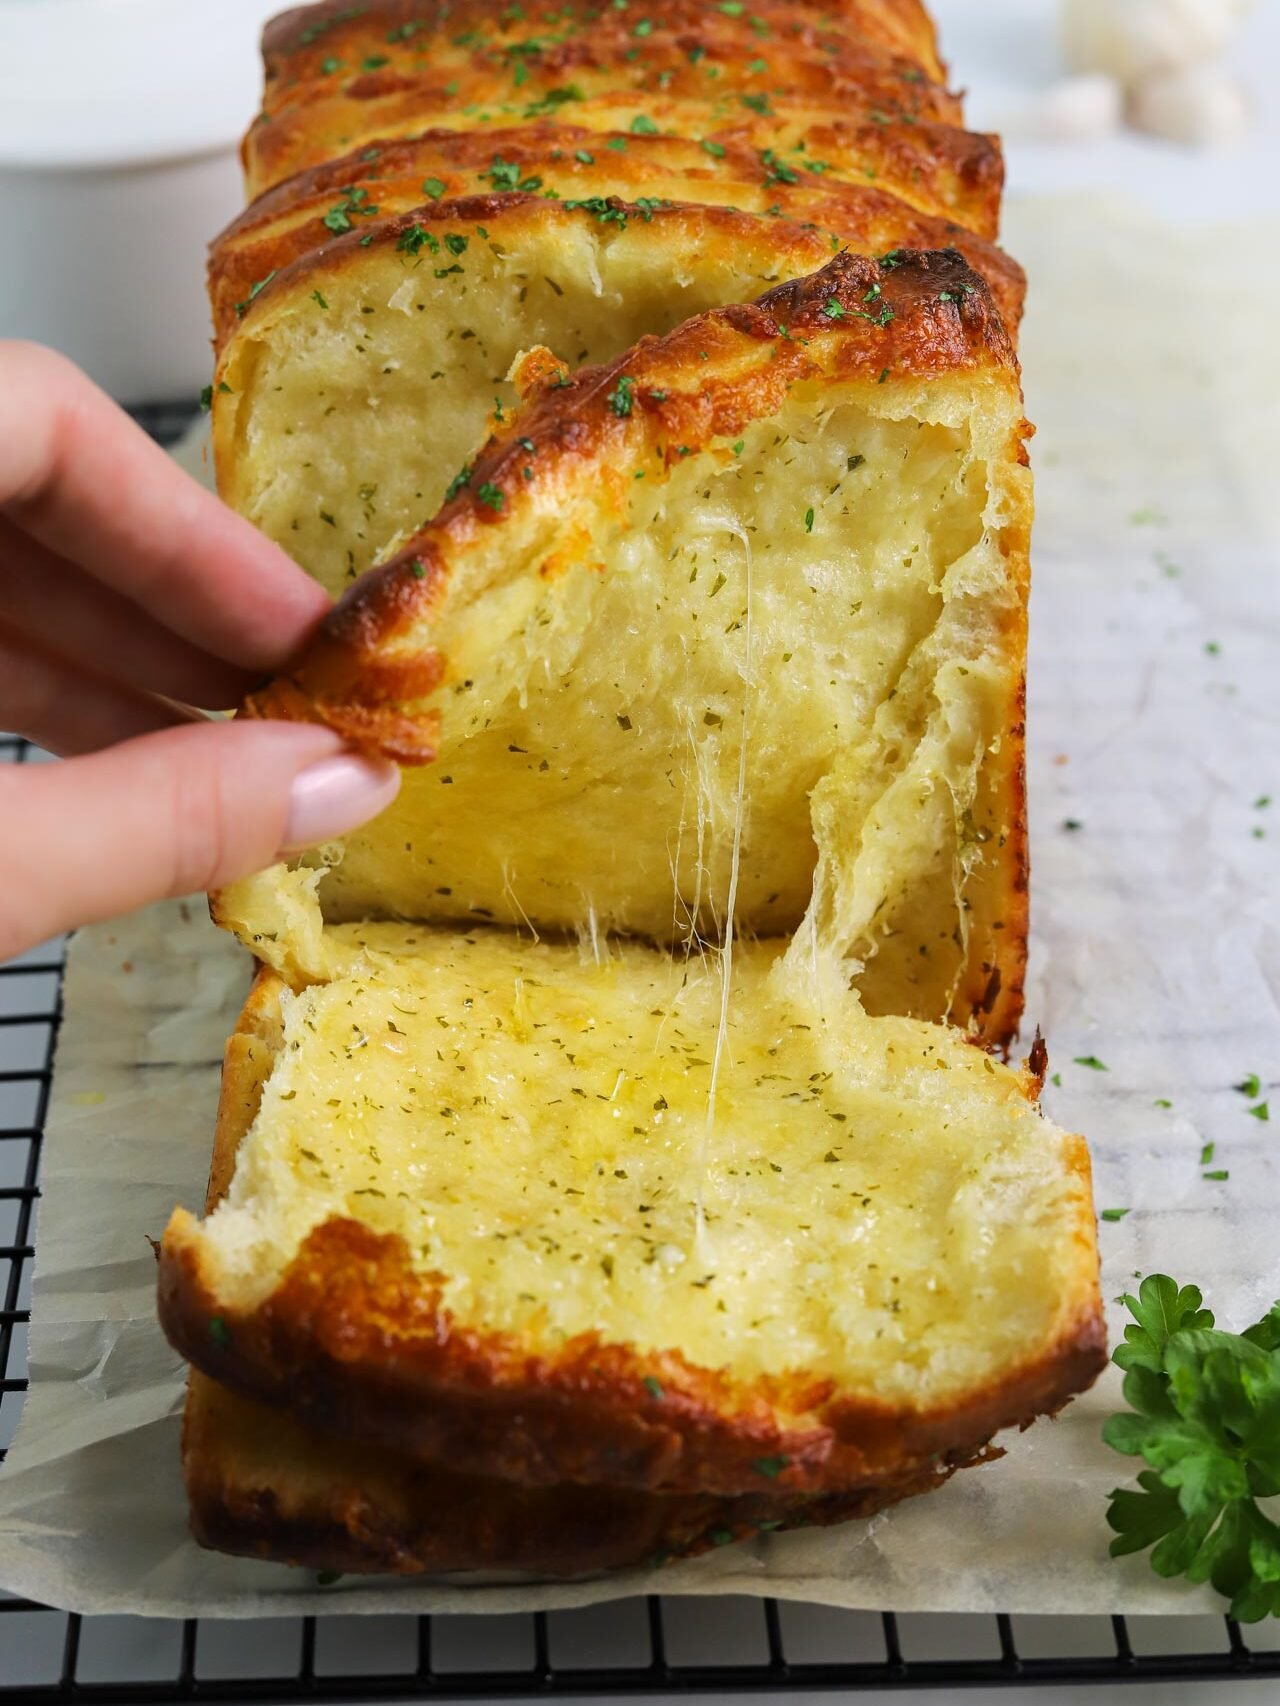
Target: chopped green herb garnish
(1262, 1111)
(489, 495)
(586, 159)
(433, 187)
(776, 172)
(1206, 1154)
(620, 398)
(808, 521)
(460, 479)
(715, 149)
(219, 1332)
(505, 175)
(552, 99)
(770, 1467)
(261, 284)
(1250, 1086)
(653, 1387)
(1218, 1175)
(1092, 1062)
(643, 125)
(317, 297)
(1114, 1213)
(374, 62)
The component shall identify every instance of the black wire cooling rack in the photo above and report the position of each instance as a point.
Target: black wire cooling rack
(649, 1646)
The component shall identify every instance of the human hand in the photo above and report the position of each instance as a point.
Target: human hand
(129, 596)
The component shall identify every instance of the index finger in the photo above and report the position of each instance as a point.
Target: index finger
(79, 476)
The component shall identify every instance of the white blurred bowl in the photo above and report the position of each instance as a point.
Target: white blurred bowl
(119, 125)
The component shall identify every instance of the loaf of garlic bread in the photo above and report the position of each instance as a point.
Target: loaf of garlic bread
(615, 1144)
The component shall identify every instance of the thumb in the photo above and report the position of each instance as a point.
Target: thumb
(187, 808)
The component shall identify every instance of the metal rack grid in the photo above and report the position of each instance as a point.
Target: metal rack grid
(636, 1646)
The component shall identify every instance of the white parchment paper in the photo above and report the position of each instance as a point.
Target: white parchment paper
(1153, 370)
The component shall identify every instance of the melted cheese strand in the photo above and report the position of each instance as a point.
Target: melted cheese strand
(701, 1241)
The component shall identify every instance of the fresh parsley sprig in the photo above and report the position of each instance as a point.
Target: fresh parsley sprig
(1206, 1420)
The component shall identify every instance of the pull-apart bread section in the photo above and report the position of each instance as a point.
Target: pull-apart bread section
(338, 77)
(707, 678)
(437, 192)
(744, 608)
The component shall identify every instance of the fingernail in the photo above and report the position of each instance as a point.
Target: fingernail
(336, 795)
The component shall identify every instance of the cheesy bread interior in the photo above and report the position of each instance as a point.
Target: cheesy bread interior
(607, 1139)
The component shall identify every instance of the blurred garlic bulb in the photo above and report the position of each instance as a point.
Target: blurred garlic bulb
(1076, 109)
(1203, 104)
(1128, 39)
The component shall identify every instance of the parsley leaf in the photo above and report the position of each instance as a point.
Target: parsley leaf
(770, 1467)
(1205, 1418)
(254, 288)
(619, 398)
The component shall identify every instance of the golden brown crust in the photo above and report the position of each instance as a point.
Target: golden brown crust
(708, 379)
(261, 1486)
(335, 80)
(937, 169)
(354, 1344)
(656, 178)
(903, 25)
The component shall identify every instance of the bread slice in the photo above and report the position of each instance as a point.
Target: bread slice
(262, 1485)
(810, 518)
(368, 369)
(541, 1216)
(825, 179)
(338, 81)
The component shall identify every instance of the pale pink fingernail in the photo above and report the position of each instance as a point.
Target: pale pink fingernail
(336, 795)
